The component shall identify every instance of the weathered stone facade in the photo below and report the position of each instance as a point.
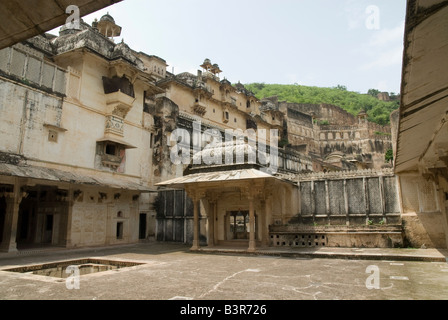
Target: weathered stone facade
(88, 126)
(334, 138)
(420, 126)
(74, 149)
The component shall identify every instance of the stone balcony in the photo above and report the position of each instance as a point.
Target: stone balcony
(119, 104)
(111, 161)
(199, 108)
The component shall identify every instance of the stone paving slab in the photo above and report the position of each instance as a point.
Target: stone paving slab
(173, 272)
(399, 254)
(429, 255)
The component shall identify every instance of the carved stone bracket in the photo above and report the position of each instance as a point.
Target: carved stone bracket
(213, 197)
(195, 194)
(119, 104)
(252, 191)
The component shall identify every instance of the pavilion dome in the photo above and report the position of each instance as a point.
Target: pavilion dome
(107, 17)
(236, 148)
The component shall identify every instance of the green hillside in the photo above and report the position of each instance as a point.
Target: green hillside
(353, 102)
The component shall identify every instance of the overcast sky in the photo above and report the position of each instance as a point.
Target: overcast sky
(322, 43)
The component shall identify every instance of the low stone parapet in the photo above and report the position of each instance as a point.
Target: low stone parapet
(336, 236)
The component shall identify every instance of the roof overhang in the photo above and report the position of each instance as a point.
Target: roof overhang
(220, 179)
(424, 98)
(22, 20)
(110, 138)
(42, 174)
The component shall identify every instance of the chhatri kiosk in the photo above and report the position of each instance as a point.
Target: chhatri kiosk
(240, 199)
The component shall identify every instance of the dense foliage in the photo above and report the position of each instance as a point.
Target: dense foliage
(353, 102)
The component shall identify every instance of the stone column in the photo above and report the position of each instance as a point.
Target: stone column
(262, 224)
(252, 244)
(196, 197)
(196, 203)
(68, 231)
(268, 218)
(9, 241)
(211, 223)
(215, 223)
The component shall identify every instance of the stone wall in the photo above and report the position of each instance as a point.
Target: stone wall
(297, 236)
(424, 211)
(95, 217)
(326, 129)
(27, 117)
(348, 198)
(343, 209)
(28, 66)
(328, 112)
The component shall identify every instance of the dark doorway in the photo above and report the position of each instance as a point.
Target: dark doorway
(119, 230)
(142, 226)
(2, 217)
(23, 225)
(48, 233)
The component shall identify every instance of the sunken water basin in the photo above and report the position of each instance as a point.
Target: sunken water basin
(85, 266)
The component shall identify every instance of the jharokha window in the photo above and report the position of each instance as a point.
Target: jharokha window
(110, 156)
(116, 84)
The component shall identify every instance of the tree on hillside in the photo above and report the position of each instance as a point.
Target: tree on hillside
(378, 111)
(373, 92)
(341, 87)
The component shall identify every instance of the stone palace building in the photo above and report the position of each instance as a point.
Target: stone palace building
(88, 127)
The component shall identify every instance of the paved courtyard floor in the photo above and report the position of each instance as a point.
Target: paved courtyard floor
(171, 271)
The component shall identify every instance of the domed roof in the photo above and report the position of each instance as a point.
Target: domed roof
(225, 81)
(107, 17)
(236, 148)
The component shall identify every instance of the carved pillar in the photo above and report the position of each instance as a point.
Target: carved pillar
(215, 223)
(68, 231)
(262, 216)
(252, 244)
(213, 219)
(251, 192)
(196, 203)
(196, 196)
(212, 222)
